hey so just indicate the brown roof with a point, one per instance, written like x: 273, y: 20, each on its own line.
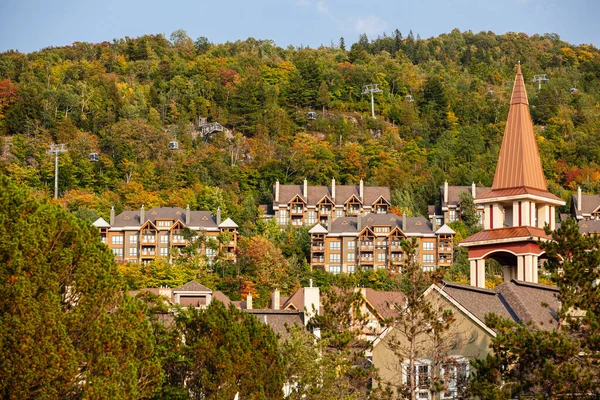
x: 519, y: 163
x: 278, y: 320
x: 385, y: 303
x: 342, y: 193
x: 414, y: 225
x: 455, y: 191
x: 589, y: 203
x: 222, y: 297
x: 531, y: 302
x: 518, y: 191
x: 519, y: 301
x: 192, y: 286
x: 589, y: 226
x: 507, y: 233
x: 204, y: 219
x: 477, y: 301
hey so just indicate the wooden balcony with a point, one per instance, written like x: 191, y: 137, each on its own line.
x: 366, y: 259
x: 297, y: 211
x: 366, y: 246
x: 318, y: 260
x: 318, y: 247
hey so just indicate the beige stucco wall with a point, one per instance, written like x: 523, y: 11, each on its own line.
x: 470, y: 339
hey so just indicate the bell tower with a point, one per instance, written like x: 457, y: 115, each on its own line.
x: 519, y: 204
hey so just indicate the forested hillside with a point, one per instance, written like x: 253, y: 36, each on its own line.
x: 127, y: 99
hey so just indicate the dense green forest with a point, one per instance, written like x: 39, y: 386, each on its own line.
x: 127, y: 99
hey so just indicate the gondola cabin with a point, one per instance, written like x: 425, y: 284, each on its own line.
x: 312, y: 115
x: 93, y: 157
x: 173, y: 145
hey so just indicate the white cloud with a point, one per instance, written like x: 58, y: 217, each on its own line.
x: 303, y: 3
x: 371, y: 25
x: 322, y: 8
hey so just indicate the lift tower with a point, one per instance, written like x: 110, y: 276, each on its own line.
x: 373, y: 88
x: 56, y: 149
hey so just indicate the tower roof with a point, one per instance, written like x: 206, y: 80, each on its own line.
x: 519, y: 163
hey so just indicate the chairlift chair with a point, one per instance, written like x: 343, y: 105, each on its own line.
x: 312, y: 115
x: 173, y: 145
x: 410, y: 97
x: 572, y: 90
x: 93, y: 157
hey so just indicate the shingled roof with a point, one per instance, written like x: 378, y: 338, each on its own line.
x: 192, y: 286
x: 513, y: 232
x: 414, y: 225
x: 589, y: 204
x: 455, y: 191
x: 203, y: 219
x: 342, y: 193
x: 522, y: 302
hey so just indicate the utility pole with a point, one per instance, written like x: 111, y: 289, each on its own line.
x: 539, y: 79
x: 56, y: 149
x: 373, y: 88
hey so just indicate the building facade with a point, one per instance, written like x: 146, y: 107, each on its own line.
x: 145, y: 235
x: 306, y: 205
x: 374, y: 241
x: 448, y: 210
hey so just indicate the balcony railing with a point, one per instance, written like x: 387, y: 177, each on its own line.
x: 148, y: 240
x: 297, y: 211
x: 318, y: 247
x: 366, y: 259
x: 148, y: 253
x: 366, y: 246
x: 318, y: 260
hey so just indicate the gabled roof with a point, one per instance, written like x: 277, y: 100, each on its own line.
x: 342, y: 193
x: 445, y: 230
x: 202, y: 219
x: 518, y: 301
x: 385, y: 303
x: 414, y: 225
x: 318, y: 228
x: 589, y: 203
x: 519, y: 163
x: 192, y: 286
x: 101, y: 223
x: 589, y: 226
x: 454, y: 195
x: 228, y: 223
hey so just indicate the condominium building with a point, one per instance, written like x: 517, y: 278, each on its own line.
x: 448, y: 209
x: 301, y: 205
x: 144, y: 235
x: 374, y: 241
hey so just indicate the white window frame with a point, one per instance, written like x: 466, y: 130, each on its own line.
x: 312, y: 217
x: 133, y: 252
x: 428, y: 258
x: 420, y: 390
x: 451, y: 390
x: 335, y: 268
x: 164, y: 252
x: 351, y: 268
x: 117, y: 239
x: 335, y: 258
x: 351, y: 257
x: 380, y: 257
x: 118, y: 252
x: 335, y: 245
x: 133, y: 239
x: 351, y: 245
x: 428, y: 246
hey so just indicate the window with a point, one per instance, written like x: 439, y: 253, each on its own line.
x: 283, y: 217
x: 117, y: 239
x: 351, y: 268
x: 422, y: 374
x: 452, y: 215
x: 164, y: 239
x: 439, y: 222
x: 339, y: 213
x: 351, y: 245
x: 148, y: 239
x: 133, y: 239
x: 164, y: 223
x: 351, y: 257
x: 210, y: 252
x: 312, y: 218
x: 455, y: 373
x: 428, y: 246
x: 334, y: 258
x: 427, y: 258
x: 177, y: 238
x: 133, y: 252
x: 118, y: 252
x: 381, y: 257
x: 335, y: 269
x: 164, y: 252
x: 382, y: 229
x: 335, y: 245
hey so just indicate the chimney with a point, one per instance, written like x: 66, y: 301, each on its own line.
x: 142, y: 215
x: 473, y: 190
x: 112, y: 215
x: 249, y: 302
x: 328, y: 224
x: 276, y: 300
x: 312, y: 305
x: 434, y: 223
x: 361, y: 191
x: 187, y: 215
x: 218, y: 216
x: 446, y: 192
x: 277, y: 191
x: 359, y: 223
x: 579, y: 198
x: 333, y: 190
x: 404, y: 222
x: 305, y: 191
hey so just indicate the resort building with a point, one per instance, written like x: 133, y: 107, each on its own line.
x: 142, y: 236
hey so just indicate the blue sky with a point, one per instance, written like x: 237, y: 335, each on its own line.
x: 29, y: 25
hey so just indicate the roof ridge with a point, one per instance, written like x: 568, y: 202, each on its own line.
x: 467, y: 287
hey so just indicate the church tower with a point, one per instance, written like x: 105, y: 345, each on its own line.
x: 519, y: 204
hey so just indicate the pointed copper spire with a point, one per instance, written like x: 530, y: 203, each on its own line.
x: 519, y: 163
